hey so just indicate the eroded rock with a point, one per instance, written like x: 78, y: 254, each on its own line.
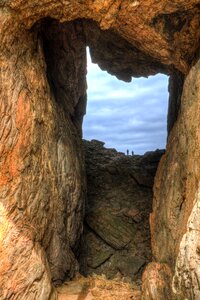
x: 98, y: 251
x: 43, y: 96
x: 112, y: 229
x: 157, y: 282
x: 119, y: 199
x: 175, y: 216
x: 41, y: 183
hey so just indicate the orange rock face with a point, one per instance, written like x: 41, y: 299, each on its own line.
x: 43, y: 98
x: 175, y: 219
x: 42, y: 182
x: 156, y: 282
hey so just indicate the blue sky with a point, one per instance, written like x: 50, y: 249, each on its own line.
x: 126, y: 115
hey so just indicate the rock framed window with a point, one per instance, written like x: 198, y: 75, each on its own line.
x: 126, y: 115
x: 43, y: 95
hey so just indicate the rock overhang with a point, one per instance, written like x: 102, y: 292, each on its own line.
x: 157, y: 36
x: 127, y: 38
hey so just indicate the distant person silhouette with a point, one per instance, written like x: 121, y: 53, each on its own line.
x: 127, y: 151
x: 132, y: 153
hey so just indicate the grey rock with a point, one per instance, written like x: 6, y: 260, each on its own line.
x: 97, y: 251
x: 119, y: 200
x: 112, y: 229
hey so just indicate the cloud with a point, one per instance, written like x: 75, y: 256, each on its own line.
x: 126, y: 115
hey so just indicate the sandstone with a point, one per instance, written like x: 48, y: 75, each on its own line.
x: 42, y: 168
x: 97, y: 287
x: 156, y: 282
x: 176, y: 195
x: 41, y: 183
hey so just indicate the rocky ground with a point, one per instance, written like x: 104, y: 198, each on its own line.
x: 116, y: 239
x: 98, y: 288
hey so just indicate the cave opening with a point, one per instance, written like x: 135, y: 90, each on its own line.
x: 127, y: 116
x: 43, y: 175
x: 116, y: 239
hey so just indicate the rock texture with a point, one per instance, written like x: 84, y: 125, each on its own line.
x: 43, y: 97
x: 41, y: 183
x: 157, y: 280
x: 118, y: 56
x: 119, y: 200
x: 175, y: 218
x: 167, y: 31
x: 175, y: 89
x: 97, y: 287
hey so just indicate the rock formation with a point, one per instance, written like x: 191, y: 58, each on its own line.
x: 43, y: 98
x: 175, y: 217
x: 42, y: 183
x: 117, y: 240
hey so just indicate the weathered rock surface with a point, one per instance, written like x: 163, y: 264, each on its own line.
x: 97, y: 287
x: 167, y: 31
x: 43, y: 98
x: 41, y: 183
x: 176, y: 215
x: 119, y: 201
x: 157, y: 282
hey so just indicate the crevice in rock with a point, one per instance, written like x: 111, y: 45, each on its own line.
x: 42, y: 176
x: 103, y: 262
x: 117, y: 211
x: 65, y: 56
x: 175, y: 88
x: 97, y: 235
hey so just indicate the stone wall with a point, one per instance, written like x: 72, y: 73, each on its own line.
x: 116, y: 239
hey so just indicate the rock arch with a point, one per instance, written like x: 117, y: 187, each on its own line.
x: 43, y: 94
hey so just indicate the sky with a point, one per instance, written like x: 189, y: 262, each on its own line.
x: 126, y: 115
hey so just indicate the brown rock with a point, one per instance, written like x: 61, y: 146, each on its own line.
x: 117, y: 212
x: 43, y: 97
x: 156, y: 281
x: 112, y: 229
x: 175, y: 217
x: 97, y: 253
x: 155, y: 28
x: 128, y: 266
x: 41, y: 183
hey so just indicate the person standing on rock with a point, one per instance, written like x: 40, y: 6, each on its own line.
x: 132, y: 153
x: 127, y: 151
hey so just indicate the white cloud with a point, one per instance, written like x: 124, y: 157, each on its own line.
x: 126, y: 115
